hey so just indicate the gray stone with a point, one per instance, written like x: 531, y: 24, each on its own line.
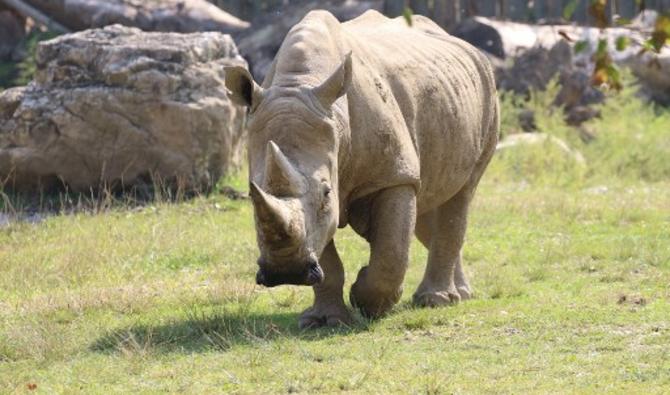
x: 481, y: 35
x: 117, y: 106
x: 529, y: 139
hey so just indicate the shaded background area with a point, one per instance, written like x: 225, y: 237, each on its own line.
x: 449, y: 12
x: 260, y: 25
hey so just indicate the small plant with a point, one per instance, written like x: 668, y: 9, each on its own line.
x: 605, y: 71
x: 21, y: 73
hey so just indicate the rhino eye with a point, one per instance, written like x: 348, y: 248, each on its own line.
x: 326, y: 191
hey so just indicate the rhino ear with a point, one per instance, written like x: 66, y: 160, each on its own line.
x: 336, y: 85
x: 243, y: 90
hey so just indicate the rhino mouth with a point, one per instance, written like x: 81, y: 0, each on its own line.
x: 310, y: 274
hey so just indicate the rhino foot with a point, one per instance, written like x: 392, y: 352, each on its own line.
x: 464, y: 291
x: 319, y: 316
x: 373, y: 302
x: 437, y: 298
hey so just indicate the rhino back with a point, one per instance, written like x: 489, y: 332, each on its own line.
x: 422, y: 107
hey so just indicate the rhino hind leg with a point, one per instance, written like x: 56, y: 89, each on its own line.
x: 442, y: 232
x: 329, y: 308
x: 379, y: 285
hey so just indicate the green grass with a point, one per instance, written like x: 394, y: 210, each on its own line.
x: 162, y: 299
x: 571, y: 270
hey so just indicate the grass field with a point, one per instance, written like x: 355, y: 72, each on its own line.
x: 570, y: 265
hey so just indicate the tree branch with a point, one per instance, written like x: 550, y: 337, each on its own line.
x: 29, y: 11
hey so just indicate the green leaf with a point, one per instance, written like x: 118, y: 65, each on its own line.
x: 569, y: 10
x: 602, y: 46
x: 580, y: 46
x: 621, y: 21
x: 614, y: 77
x: 648, y: 45
x: 663, y: 24
x: 407, y: 14
x: 657, y: 40
x: 622, y: 43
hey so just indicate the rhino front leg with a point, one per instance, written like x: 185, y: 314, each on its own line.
x: 379, y: 285
x: 329, y: 308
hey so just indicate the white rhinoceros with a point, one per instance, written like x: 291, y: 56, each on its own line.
x: 376, y: 124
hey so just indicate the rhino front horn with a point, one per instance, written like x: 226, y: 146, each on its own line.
x: 281, y: 178
x: 274, y: 218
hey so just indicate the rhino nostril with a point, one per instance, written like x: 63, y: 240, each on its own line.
x: 314, y: 274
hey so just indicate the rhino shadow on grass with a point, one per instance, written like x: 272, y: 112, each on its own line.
x: 219, y: 330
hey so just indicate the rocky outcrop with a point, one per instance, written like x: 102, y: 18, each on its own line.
x: 531, y: 139
x: 531, y: 47
x: 185, y: 16
x: 481, y: 35
x: 118, y: 107
x: 534, y: 68
x: 653, y: 71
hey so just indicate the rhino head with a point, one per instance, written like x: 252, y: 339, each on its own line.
x: 293, y: 171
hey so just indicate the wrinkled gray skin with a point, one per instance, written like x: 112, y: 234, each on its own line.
x: 374, y: 124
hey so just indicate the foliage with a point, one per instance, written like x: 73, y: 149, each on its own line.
x: 631, y: 141
x: 18, y: 74
x: 605, y: 71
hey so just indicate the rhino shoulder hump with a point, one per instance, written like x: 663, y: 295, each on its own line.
x: 320, y: 16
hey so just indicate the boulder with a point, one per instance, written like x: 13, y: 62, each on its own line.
x: 534, y: 68
x: 481, y: 35
x: 120, y: 107
x: 653, y: 72
x: 531, y: 139
x: 185, y: 16
x: 529, y: 43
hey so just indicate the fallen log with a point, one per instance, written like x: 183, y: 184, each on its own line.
x: 31, y: 12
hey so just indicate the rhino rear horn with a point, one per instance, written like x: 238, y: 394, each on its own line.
x: 281, y: 177
x: 273, y: 216
x: 336, y: 85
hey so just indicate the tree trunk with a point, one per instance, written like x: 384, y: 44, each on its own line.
x: 419, y: 7
x: 393, y: 8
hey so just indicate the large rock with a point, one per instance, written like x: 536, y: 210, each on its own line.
x: 525, y: 42
x: 534, y: 68
x: 653, y: 71
x: 185, y: 16
x: 531, y: 139
x: 481, y: 35
x: 117, y: 106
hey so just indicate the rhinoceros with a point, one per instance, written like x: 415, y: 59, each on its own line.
x: 378, y: 124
